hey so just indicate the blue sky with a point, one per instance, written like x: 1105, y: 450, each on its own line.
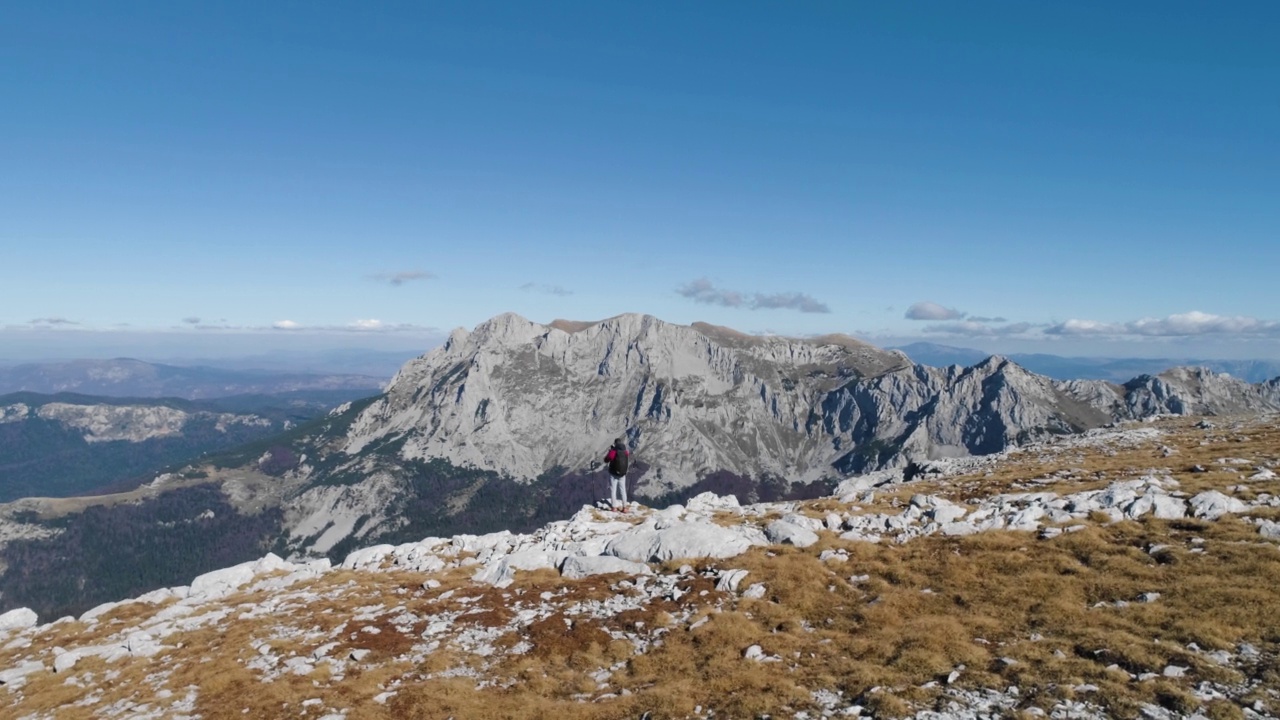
x: 1077, y: 178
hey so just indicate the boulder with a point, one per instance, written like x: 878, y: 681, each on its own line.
x: 500, y: 570
x: 18, y: 619
x: 221, y: 583
x: 782, y: 532
x: 957, y: 529
x: 944, y: 513
x: 64, y: 661
x: 730, y: 579
x: 370, y: 557
x: 1212, y: 505
x: 1269, y: 529
x: 645, y: 543
x: 1168, y: 507
x: 580, y: 566
x: 708, y: 503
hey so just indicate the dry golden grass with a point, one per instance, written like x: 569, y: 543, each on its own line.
x: 1048, y: 616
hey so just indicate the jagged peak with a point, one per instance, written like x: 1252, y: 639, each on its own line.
x: 1197, y: 371
x: 993, y: 363
x: 719, y: 334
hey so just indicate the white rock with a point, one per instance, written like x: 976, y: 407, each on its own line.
x: 95, y: 612
x: 221, y: 583
x: 157, y: 597
x: 957, y: 529
x: 756, y: 653
x: 18, y: 619
x: 65, y: 661
x: 299, y: 666
x: 947, y: 513
x: 1212, y: 505
x: 1269, y: 529
x: 755, y: 591
x: 141, y: 644
x: 708, y: 503
x: 1028, y: 519
x: 1169, y: 508
x: 367, y: 557
x: 853, y: 486
x: 681, y: 540
x: 1221, y: 657
x: 782, y: 532
x: 500, y: 571
x: 17, y: 675
x: 1175, y: 671
x: 729, y: 580
x: 578, y: 566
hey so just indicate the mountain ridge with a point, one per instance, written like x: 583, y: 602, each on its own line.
x: 503, y: 427
x: 1113, y: 369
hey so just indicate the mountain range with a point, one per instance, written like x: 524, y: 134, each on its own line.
x: 504, y: 427
x: 68, y: 444
x: 1059, y: 367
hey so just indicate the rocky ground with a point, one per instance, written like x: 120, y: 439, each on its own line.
x: 1129, y: 572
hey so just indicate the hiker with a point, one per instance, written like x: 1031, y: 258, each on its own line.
x: 617, y: 459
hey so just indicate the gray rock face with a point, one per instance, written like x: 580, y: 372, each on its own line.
x: 523, y: 399
x: 1197, y: 391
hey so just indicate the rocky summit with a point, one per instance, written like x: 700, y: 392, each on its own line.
x: 502, y: 423
x: 504, y: 427
x: 1126, y: 572
x: 524, y: 399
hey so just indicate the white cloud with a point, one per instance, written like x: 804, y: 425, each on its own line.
x: 932, y: 311
x: 191, y: 320
x: 974, y: 328
x: 1085, y: 327
x: 286, y: 325
x: 1180, y: 325
x: 704, y: 291
x: 53, y: 321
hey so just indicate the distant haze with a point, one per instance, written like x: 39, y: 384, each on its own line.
x: 295, y: 352
x: 382, y: 354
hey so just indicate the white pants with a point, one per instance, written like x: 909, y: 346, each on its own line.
x: 619, y: 488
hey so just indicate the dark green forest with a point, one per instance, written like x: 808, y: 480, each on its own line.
x: 44, y: 458
x: 111, y: 553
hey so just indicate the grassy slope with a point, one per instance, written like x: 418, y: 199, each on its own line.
x: 1012, y: 609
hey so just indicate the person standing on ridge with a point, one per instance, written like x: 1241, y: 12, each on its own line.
x: 618, y: 458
